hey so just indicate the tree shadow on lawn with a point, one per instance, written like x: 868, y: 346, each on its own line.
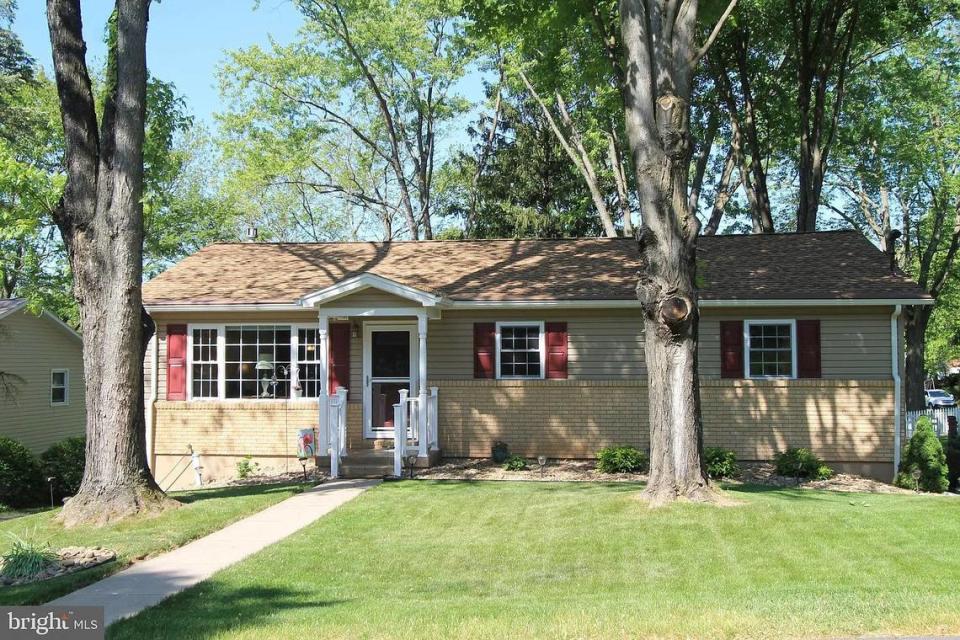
x: 533, y: 486
x: 790, y: 493
x: 199, y: 495
x: 211, y: 610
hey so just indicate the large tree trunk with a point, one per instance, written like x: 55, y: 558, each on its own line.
x: 659, y: 48
x: 101, y: 219
x: 916, y: 319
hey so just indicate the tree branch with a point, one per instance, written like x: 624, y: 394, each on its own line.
x: 713, y: 34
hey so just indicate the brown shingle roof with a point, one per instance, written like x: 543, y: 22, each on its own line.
x: 784, y: 266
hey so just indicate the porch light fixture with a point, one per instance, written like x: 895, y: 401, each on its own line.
x: 265, y: 365
x: 354, y: 330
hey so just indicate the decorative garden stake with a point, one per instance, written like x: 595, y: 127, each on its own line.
x: 50, y: 482
x: 411, y: 462
x: 915, y: 474
x: 542, y: 461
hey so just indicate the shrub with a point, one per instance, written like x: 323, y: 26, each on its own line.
x: 801, y: 463
x: 515, y: 463
x: 246, y: 467
x: 64, y: 463
x: 622, y: 459
x: 924, y: 453
x: 500, y: 451
x: 21, y: 480
x: 26, y: 559
x: 721, y: 463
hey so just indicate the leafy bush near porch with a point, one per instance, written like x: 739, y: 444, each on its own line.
x: 801, y: 463
x: 622, y: 459
x: 64, y: 462
x: 246, y: 467
x: 515, y: 463
x: 21, y: 480
x: 924, y: 453
x: 721, y: 463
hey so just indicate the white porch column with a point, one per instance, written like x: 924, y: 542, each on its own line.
x: 422, y: 385
x: 323, y: 400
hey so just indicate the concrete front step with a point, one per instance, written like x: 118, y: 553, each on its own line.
x: 373, y: 463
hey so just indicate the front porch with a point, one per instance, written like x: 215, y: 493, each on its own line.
x: 384, y: 324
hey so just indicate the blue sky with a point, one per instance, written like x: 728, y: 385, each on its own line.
x: 187, y: 39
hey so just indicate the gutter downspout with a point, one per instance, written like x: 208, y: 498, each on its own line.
x: 154, y: 390
x: 895, y: 361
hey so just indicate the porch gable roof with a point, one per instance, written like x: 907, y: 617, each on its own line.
x: 369, y: 281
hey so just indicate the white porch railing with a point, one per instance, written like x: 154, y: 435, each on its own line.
x: 938, y: 415
x: 411, y: 434
x: 337, y: 429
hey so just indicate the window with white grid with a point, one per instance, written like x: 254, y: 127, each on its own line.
x: 205, y: 370
x: 308, y: 359
x: 520, y: 350
x: 770, y: 348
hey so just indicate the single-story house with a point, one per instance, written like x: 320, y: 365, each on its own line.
x: 41, y: 377
x: 537, y: 343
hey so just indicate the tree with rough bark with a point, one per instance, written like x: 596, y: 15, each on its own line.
x: 661, y: 53
x: 100, y: 217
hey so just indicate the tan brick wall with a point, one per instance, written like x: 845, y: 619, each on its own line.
x: 846, y: 422
x: 841, y: 420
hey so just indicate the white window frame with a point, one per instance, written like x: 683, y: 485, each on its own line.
x: 220, y: 360
x: 220, y: 353
x: 66, y: 387
x: 793, y: 347
x: 295, y: 355
x: 543, y: 348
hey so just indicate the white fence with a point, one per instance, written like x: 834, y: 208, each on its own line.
x: 939, y: 416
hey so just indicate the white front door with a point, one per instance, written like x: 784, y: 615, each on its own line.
x: 389, y: 365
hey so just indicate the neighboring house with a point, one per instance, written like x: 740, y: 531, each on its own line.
x: 538, y: 343
x: 41, y: 360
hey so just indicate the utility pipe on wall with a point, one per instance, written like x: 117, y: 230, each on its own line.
x: 895, y: 361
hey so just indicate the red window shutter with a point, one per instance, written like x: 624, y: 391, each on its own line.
x: 808, y: 349
x: 556, y: 350
x: 731, y: 348
x: 484, y: 349
x: 176, y: 362
x: 339, y: 360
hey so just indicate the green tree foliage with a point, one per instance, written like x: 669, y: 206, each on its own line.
x: 346, y: 124
x: 182, y: 207
x: 527, y: 186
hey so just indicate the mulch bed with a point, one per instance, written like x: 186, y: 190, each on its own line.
x: 585, y: 471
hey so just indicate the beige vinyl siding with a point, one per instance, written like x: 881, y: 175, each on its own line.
x: 31, y: 347
x: 602, y: 344
x: 854, y: 344
x: 374, y: 298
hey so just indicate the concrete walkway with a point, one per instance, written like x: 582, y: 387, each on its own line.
x: 143, y: 585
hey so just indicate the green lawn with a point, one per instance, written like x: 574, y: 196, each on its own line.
x: 551, y: 560
x: 204, y: 511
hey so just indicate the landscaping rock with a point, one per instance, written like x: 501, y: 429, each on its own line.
x: 69, y: 560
